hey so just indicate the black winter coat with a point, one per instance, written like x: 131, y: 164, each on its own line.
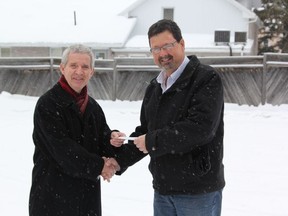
x: 184, y: 132
x: 68, y: 156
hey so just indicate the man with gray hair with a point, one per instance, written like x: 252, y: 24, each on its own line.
x: 72, y: 143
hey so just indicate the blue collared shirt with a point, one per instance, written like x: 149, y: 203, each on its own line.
x: 173, y: 77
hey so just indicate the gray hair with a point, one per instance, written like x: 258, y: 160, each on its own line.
x: 77, y: 48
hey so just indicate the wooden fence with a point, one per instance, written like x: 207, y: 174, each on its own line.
x: 251, y: 80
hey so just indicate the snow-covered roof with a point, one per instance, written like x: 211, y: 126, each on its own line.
x: 193, y: 43
x: 191, y: 40
x: 245, y: 11
x: 97, y: 23
x: 52, y: 22
x: 131, y: 7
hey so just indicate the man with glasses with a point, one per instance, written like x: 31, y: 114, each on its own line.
x: 181, y: 129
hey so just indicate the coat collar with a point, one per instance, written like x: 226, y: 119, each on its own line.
x: 64, y: 99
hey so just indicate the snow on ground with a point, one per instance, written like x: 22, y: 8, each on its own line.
x: 256, y: 158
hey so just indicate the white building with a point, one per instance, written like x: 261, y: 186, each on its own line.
x: 200, y: 22
x: 45, y: 30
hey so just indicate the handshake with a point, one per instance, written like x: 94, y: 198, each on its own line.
x: 110, y: 168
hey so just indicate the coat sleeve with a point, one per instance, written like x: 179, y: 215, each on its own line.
x: 128, y: 154
x: 51, y: 135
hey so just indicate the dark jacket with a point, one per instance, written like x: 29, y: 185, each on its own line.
x: 184, y: 132
x: 68, y: 156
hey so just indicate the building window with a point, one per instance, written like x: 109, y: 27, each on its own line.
x: 99, y: 55
x: 5, y: 52
x: 168, y: 13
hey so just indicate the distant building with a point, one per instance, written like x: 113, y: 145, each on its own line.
x: 218, y: 27
x: 209, y: 28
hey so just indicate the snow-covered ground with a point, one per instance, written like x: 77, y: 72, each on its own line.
x: 256, y: 159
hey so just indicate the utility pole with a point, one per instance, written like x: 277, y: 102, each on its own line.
x: 75, y: 23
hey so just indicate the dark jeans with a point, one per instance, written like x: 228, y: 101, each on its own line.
x: 208, y: 204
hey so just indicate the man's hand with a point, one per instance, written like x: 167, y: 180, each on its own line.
x: 112, y: 162
x: 140, y: 143
x: 109, y: 169
x: 115, y: 141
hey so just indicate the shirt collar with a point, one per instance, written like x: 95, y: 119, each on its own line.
x: 173, y: 77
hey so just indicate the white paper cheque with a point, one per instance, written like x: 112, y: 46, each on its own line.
x: 128, y: 138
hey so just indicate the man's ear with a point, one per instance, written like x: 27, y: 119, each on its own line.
x: 182, y: 42
x: 92, y: 72
x: 61, y: 68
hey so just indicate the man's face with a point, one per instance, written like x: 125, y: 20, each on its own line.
x: 77, y: 71
x: 171, y: 54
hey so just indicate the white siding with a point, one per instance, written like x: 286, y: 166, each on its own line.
x: 193, y: 16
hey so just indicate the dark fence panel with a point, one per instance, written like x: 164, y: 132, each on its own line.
x: 277, y: 86
x: 242, y: 85
x: 251, y: 80
x: 132, y: 85
x: 33, y: 82
x: 101, y: 85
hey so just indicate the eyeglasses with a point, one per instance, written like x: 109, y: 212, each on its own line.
x: 168, y: 46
